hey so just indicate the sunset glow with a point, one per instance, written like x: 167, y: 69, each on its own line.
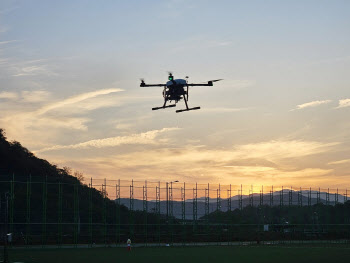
x: 69, y: 89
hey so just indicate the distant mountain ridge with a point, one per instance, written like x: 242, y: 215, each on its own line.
x: 246, y: 201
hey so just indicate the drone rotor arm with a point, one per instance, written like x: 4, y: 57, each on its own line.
x: 151, y: 85
x: 201, y: 84
x: 210, y: 83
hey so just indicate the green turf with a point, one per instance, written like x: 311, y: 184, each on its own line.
x: 221, y: 254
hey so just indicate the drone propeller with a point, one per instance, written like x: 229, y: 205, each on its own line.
x: 214, y: 80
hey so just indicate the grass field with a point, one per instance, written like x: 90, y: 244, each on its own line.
x: 285, y: 254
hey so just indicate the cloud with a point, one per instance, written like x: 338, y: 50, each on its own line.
x: 7, y: 42
x: 37, y: 126
x: 26, y: 96
x: 262, y: 163
x: 312, y: 104
x: 33, y: 71
x: 8, y: 95
x: 75, y: 99
x: 283, y: 149
x: 141, y: 138
x: 35, y: 96
x: 344, y: 103
x: 339, y: 162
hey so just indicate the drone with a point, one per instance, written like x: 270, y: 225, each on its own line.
x: 176, y: 90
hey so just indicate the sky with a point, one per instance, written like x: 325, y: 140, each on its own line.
x: 70, y: 74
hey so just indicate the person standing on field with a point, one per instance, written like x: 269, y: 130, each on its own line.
x: 129, y: 244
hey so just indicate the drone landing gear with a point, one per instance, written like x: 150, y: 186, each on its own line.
x: 169, y: 106
x: 187, y: 108
x: 195, y: 108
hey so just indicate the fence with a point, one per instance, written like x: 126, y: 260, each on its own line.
x: 58, y: 211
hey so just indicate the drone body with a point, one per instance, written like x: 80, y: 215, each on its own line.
x: 175, y: 90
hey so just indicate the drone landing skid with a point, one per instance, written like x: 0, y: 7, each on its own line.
x: 169, y: 106
x: 188, y: 109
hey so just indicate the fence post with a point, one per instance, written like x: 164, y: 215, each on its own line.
x: 158, y: 210
x: 229, y: 205
x: 281, y: 197
x: 218, y: 199
x: 240, y: 202
x: 171, y: 212
x: 207, y: 196
x: 291, y: 196
x: 117, y: 216
x: 336, y: 197
x: 29, y: 185
x: 346, y: 195
x: 183, y: 199
x: 271, y: 196
x: 43, y: 239
x: 76, y: 213
x: 12, y: 197
x: 195, y: 210
x: 251, y: 200
x: 59, y: 213
x: 145, y: 210
x: 131, y: 212
x: 104, y: 208
x: 90, y: 212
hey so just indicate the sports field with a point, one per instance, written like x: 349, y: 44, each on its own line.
x: 211, y: 254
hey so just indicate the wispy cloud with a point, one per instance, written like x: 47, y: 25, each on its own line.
x: 141, y: 138
x: 7, y: 42
x: 42, y: 124
x: 282, y: 149
x: 75, y: 99
x: 344, y: 103
x: 26, y: 96
x: 339, y: 162
x: 35, y: 96
x: 8, y: 95
x: 33, y: 71
x: 312, y: 104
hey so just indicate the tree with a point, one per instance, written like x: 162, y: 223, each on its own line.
x: 79, y: 176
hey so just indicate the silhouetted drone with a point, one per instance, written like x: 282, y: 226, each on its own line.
x: 174, y: 90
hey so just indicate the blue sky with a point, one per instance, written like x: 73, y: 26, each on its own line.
x: 69, y: 78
